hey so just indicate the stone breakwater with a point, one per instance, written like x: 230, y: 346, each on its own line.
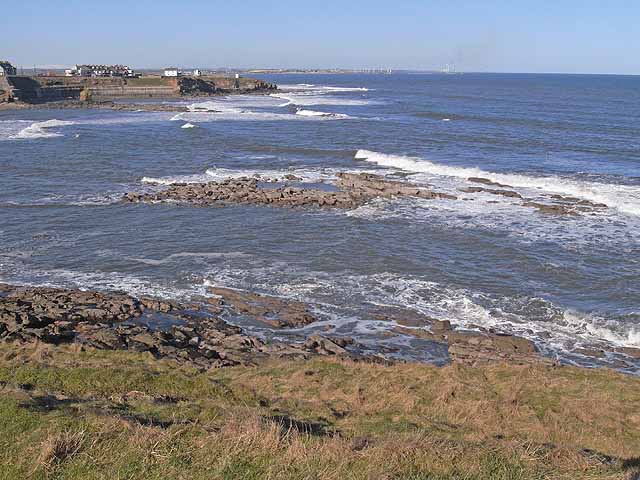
x: 195, y: 333
x: 351, y: 190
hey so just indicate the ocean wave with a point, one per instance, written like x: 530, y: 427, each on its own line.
x: 171, y: 180
x: 306, y: 100
x: 106, y: 281
x: 307, y: 87
x: 313, y: 113
x: 350, y: 301
x: 218, y: 174
x: 188, y: 125
x: 181, y: 255
x: 67, y: 201
x: 306, y: 175
x: 41, y: 130
x: 625, y: 199
x: 238, y: 109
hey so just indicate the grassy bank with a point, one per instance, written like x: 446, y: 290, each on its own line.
x: 120, y: 415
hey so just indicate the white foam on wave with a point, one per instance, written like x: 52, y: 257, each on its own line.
x: 191, y: 255
x: 171, y: 180
x: 340, y: 297
x: 344, y: 89
x: 307, y: 175
x: 188, y: 125
x: 106, y: 281
x: 625, y: 199
x: 249, y: 109
x: 41, y: 130
x: 313, y: 113
x: 307, y: 99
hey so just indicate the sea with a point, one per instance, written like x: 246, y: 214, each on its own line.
x: 571, y: 284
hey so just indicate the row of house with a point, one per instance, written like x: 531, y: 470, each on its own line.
x: 7, y: 69
x: 100, y: 71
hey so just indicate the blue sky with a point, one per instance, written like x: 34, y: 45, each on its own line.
x: 574, y: 36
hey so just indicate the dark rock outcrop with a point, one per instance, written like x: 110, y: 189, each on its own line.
x: 116, y: 321
x: 486, y: 181
x: 504, y: 193
x: 355, y: 190
x: 272, y: 311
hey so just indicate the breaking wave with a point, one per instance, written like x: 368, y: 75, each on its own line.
x: 188, y: 125
x: 350, y: 302
x: 306, y: 175
x: 41, y: 130
x: 313, y: 113
x: 326, y: 88
x: 310, y: 99
x: 625, y: 199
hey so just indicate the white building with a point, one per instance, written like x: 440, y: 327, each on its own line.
x: 197, y: 73
x: 171, y: 72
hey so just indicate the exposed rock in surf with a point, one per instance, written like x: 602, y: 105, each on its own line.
x: 273, y: 311
x: 117, y: 321
x: 551, y: 209
x: 483, y: 347
x: 561, y: 204
x: 327, y: 346
x: 473, y: 347
x: 246, y: 191
x: 354, y: 191
x: 370, y: 186
x: 486, y: 181
x: 630, y: 351
x: 591, y: 352
x: 504, y: 193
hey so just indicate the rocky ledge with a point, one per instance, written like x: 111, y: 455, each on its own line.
x: 197, y: 334
x: 352, y: 190
x: 552, y: 204
x: 347, y: 191
x: 186, y: 333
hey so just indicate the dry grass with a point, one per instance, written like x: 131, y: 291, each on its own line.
x: 124, y: 415
x: 60, y: 446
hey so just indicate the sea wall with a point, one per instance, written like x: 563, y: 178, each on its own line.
x: 49, y: 89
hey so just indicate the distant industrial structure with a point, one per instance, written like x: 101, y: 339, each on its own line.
x: 172, y: 72
x: 100, y: 71
x: 7, y: 69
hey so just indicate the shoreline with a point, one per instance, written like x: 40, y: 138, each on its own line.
x: 112, y: 104
x: 80, y: 370
x: 198, y: 333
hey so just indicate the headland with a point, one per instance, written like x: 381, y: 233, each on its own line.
x: 22, y: 91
